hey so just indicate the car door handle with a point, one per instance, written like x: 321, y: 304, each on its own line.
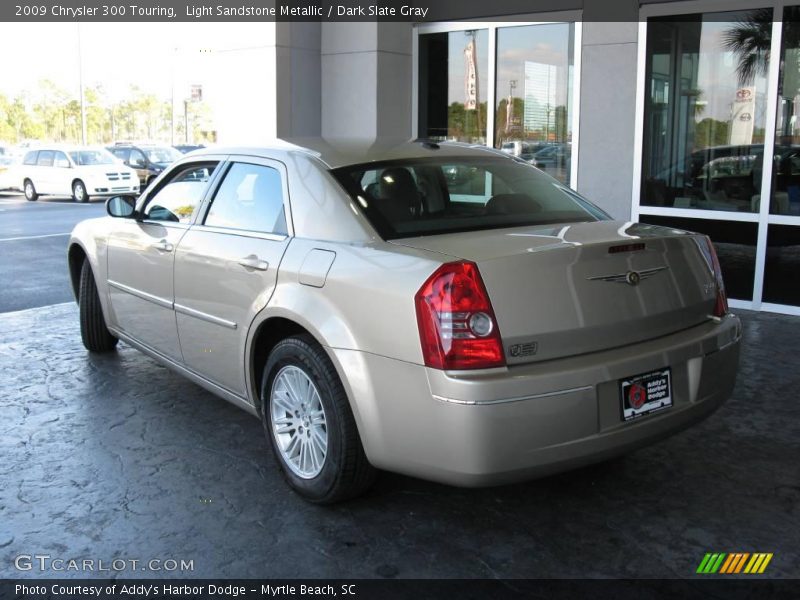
x: 163, y: 246
x: 253, y: 262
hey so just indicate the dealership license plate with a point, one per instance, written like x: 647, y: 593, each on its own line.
x: 645, y: 394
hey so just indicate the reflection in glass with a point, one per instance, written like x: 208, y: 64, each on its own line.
x: 735, y: 243
x: 453, y: 86
x: 786, y: 161
x: 705, y: 110
x: 534, y: 95
x: 782, y: 265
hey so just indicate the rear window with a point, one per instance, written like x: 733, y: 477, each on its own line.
x: 409, y: 198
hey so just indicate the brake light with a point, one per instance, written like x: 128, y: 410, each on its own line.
x: 457, y: 326
x: 721, y: 304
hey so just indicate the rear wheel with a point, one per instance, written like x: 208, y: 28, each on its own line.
x: 79, y: 192
x: 94, y: 333
x: 30, y: 191
x: 308, y: 421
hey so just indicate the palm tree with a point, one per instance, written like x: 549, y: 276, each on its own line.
x: 750, y: 39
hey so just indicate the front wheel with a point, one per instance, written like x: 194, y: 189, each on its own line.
x: 30, y: 191
x: 94, y: 333
x: 79, y: 192
x: 309, y: 424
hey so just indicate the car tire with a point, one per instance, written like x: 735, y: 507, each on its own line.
x: 30, y: 191
x: 344, y: 471
x: 79, y: 193
x: 94, y: 333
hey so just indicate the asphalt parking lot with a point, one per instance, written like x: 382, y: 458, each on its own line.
x: 33, y: 240
x: 115, y: 457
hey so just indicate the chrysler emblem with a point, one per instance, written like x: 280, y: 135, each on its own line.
x: 631, y: 277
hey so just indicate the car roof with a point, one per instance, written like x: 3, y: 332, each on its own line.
x: 342, y: 152
x: 64, y: 147
x: 132, y: 145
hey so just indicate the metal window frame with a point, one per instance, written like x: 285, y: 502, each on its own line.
x: 573, y: 17
x: 763, y: 218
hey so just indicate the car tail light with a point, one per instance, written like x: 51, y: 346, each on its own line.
x: 721, y: 304
x: 457, y: 326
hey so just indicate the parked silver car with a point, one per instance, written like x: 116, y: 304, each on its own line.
x: 377, y: 313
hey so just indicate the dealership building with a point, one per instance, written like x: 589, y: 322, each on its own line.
x: 663, y: 117
x: 661, y: 112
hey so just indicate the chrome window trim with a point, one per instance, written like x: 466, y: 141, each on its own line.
x: 273, y: 237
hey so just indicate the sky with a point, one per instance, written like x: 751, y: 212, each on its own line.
x: 153, y: 56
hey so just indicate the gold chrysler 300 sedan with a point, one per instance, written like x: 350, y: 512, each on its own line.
x: 438, y: 310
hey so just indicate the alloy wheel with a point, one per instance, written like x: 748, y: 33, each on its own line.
x: 298, y: 422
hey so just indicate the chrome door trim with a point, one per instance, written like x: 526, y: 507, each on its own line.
x: 185, y: 310
x: 164, y: 303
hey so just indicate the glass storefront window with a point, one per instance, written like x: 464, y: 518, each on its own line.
x: 453, y: 84
x: 735, y: 243
x: 786, y: 160
x: 705, y: 110
x: 534, y: 95
x: 782, y: 265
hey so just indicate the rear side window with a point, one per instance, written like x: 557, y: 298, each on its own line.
x: 60, y: 160
x: 120, y: 153
x: 30, y: 158
x: 250, y: 198
x: 45, y: 158
x: 426, y: 196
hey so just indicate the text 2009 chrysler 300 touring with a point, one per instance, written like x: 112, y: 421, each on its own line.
x: 443, y: 311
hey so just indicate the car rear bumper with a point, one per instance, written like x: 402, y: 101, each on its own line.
x: 504, y: 425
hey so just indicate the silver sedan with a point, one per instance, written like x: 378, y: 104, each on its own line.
x: 447, y: 312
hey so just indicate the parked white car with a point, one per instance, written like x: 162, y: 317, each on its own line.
x: 9, y: 168
x: 80, y: 172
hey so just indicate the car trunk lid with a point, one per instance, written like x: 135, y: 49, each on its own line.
x: 561, y: 290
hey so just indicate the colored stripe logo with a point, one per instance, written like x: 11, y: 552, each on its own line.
x: 734, y: 563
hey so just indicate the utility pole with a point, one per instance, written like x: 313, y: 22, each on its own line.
x: 80, y: 84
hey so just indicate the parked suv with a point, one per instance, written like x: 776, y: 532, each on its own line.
x: 78, y: 171
x: 147, y: 160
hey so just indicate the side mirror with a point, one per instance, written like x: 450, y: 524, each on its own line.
x: 122, y: 207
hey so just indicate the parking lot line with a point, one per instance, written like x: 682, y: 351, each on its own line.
x: 32, y: 237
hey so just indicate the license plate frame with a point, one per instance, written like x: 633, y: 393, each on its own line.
x: 646, y: 393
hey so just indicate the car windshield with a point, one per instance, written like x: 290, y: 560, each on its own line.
x: 92, y: 157
x: 407, y: 198
x: 162, y: 154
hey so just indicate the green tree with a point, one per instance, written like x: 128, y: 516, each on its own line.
x: 711, y: 132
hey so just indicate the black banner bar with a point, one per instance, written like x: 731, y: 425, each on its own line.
x: 416, y: 11
x: 391, y: 589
